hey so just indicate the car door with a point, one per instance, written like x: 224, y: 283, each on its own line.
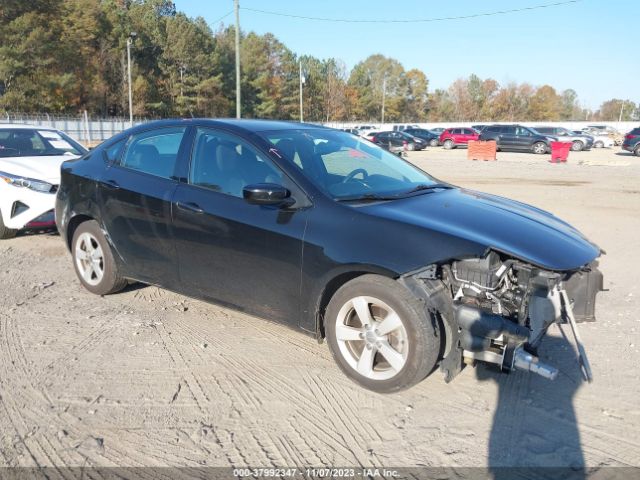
x: 523, y: 139
x: 468, y: 134
x: 507, y: 137
x: 230, y: 251
x: 135, y: 193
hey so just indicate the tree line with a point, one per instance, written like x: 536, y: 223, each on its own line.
x: 67, y: 56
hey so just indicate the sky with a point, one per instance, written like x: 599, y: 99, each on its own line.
x: 588, y: 45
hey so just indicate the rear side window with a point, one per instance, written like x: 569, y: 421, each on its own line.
x: 468, y: 131
x: 154, y: 152
x: 508, y: 130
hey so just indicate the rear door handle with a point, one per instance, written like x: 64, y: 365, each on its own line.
x: 112, y: 184
x: 189, y: 207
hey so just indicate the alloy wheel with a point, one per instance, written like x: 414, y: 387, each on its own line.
x: 372, y: 338
x: 89, y: 259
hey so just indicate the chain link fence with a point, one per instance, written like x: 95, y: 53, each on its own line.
x: 85, y: 128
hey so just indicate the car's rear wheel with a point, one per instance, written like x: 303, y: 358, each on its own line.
x: 598, y: 144
x: 636, y: 152
x: 577, y: 146
x: 6, y: 233
x: 539, y: 148
x: 93, y: 260
x: 448, y: 144
x: 434, y: 142
x: 380, y: 335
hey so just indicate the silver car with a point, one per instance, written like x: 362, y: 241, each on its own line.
x: 578, y: 141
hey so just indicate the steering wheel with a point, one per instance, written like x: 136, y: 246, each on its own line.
x: 349, y: 177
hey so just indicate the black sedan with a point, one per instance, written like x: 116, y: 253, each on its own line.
x: 432, y: 138
x: 398, y: 139
x: 328, y: 233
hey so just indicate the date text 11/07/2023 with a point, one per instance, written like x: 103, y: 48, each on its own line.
x: 321, y: 472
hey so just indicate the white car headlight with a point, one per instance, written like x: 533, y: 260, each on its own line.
x: 23, y: 182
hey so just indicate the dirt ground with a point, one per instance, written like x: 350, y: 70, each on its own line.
x: 151, y: 378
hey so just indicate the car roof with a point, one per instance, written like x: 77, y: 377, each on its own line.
x: 234, y: 124
x: 24, y: 126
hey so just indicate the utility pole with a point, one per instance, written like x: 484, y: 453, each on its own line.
x: 236, y: 5
x: 129, y: 42
x: 384, y: 93
x: 621, y: 110
x: 301, y: 82
x: 182, y: 69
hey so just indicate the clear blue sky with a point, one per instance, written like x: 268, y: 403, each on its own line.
x: 590, y: 46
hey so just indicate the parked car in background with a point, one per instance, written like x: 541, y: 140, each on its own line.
x: 478, y: 128
x: 399, y: 139
x: 401, y: 273
x: 30, y: 159
x: 632, y: 142
x: 457, y: 137
x: 518, y: 137
x: 432, y: 138
x: 578, y: 141
x: 353, y: 131
x: 599, y: 140
x: 403, y: 127
x: 610, y: 132
x: 437, y: 130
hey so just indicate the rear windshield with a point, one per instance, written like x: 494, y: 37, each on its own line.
x: 26, y: 142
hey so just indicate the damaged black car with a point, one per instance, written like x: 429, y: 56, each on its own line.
x: 402, y: 274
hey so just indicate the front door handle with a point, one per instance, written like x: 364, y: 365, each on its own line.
x: 189, y: 207
x: 111, y: 184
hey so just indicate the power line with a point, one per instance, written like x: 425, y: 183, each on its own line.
x: 222, y: 17
x: 419, y: 20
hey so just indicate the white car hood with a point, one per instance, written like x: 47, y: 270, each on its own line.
x: 45, y: 168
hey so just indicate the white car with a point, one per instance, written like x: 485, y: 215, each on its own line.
x: 30, y: 159
x: 599, y: 141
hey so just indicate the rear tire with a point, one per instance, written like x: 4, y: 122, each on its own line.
x: 636, y: 152
x: 6, y: 233
x: 448, y: 144
x: 381, y: 335
x: 577, y: 146
x: 93, y: 260
x: 433, y: 142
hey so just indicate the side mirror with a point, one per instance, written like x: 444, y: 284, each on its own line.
x: 267, y: 194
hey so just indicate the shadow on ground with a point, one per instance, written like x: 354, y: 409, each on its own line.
x: 534, y: 425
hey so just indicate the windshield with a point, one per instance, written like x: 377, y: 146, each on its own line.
x: 347, y: 167
x: 25, y: 142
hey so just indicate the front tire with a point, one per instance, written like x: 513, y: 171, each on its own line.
x: 539, y: 148
x: 6, y: 233
x: 434, y: 142
x: 93, y: 260
x: 598, y: 144
x: 577, y: 146
x: 381, y: 336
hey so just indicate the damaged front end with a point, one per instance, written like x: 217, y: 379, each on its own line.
x: 497, y: 309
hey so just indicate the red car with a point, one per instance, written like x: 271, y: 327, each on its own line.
x: 456, y: 137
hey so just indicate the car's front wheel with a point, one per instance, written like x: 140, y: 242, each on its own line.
x: 434, y: 142
x: 598, y: 144
x: 93, y: 260
x: 6, y: 233
x: 577, y: 146
x: 380, y: 335
x: 539, y: 148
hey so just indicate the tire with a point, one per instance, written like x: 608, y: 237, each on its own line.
x: 577, y: 146
x: 598, y: 144
x: 539, y: 148
x: 636, y: 152
x: 434, y: 142
x: 96, y: 268
x: 6, y: 233
x: 411, y: 147
x: 412, y: 341
x: 448, y: 144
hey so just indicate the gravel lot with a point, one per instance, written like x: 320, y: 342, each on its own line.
x: 151, y: 378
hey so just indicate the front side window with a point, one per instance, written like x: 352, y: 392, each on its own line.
x: 154, y: 152
x: 25, y: 142
x: 225, y: 163
x: 346, y: 167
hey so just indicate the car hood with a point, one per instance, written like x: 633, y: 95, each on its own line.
x: 517, y: 229
x: 45, y: 168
